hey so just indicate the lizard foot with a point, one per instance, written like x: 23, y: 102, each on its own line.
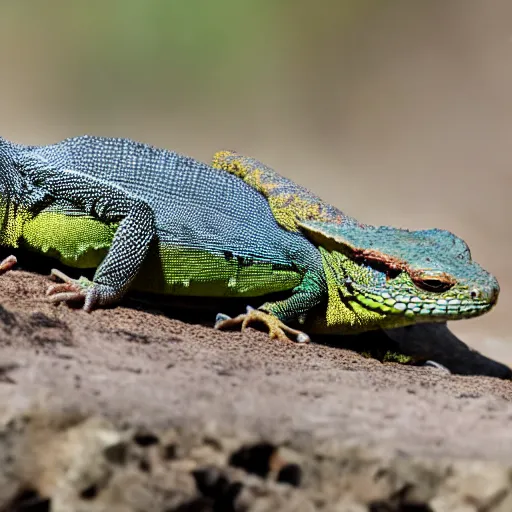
x: 72, y: 290
x: 7, y: 264
x: 276, y: 328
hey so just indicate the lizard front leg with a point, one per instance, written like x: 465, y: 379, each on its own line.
x: 274, y: 315
x: 120, y: 266
x: 109, y: 204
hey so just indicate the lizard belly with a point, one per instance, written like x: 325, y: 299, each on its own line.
x: 206, y: 249
x: 83, y: 242
x: 76, y: 241
x: 180, y: 270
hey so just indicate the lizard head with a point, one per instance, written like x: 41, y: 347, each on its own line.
x: 390, y: 277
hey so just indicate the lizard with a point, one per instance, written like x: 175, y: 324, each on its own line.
x: 156, y: 221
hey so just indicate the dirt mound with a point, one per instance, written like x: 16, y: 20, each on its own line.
x: 128, y: 409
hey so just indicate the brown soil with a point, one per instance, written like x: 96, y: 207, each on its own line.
x: 129, y: 409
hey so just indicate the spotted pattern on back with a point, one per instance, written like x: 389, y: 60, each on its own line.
x: 288, y: 201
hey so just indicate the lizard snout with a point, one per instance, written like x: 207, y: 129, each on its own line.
x: 488, y: 293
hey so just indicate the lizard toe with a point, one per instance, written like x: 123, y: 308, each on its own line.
x: 276, y: 329
x: 219, y: 319
x: 56, y: 274
x: 67, y: 297
x: 434, y: 364
x: 7, y: 263
x: 56, y: 289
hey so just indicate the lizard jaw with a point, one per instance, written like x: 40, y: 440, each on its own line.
x: 419, y: 309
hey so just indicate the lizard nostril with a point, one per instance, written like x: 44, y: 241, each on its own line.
x: 489, y: 294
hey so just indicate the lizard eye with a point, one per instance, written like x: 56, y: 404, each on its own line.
x: 433, y: 285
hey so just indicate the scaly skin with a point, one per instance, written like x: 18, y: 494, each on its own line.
x: 152, y: 220
x: 377, y: 277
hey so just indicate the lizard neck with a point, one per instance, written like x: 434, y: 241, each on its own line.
x: 343, y: 312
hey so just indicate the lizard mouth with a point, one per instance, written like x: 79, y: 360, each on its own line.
x: 424, y: 308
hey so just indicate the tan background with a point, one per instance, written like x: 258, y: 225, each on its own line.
x: 398, y: 112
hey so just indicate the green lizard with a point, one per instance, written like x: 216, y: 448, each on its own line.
x: 152, y: 220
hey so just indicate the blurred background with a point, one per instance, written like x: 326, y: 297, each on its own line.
x: 398, y: 112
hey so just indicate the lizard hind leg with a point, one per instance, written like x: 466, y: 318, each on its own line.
x: 276, y: 329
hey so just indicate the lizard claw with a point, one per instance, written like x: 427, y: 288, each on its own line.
x: 435, y: 364
x: 7, y: 263
x: 276, y: 329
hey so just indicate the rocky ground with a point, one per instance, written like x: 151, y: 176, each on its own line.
x: 128, y: 409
